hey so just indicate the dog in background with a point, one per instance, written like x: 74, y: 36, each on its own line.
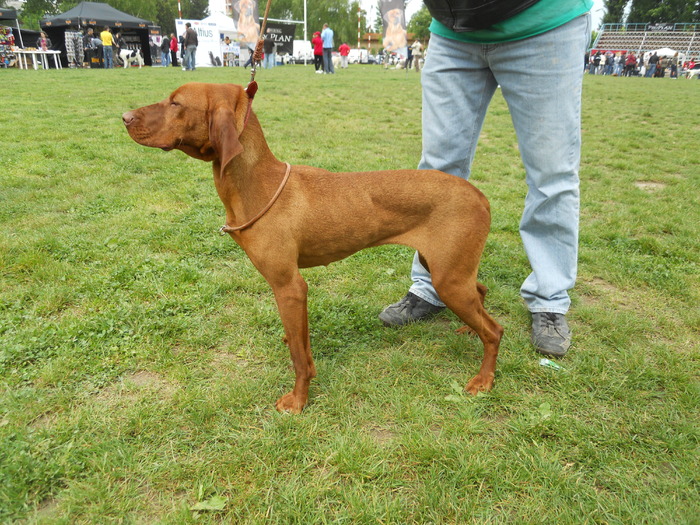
x: 131, y: 56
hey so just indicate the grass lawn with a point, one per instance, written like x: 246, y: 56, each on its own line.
x: 141, y: 353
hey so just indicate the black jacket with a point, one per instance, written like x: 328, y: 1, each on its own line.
x: 471, y: 15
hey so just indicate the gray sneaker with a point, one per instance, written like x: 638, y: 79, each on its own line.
x: 550, y: 333
x: 408, y: 310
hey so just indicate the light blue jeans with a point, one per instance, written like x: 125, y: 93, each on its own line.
x: 190, y: 57
x: 269, y: 60
x: 540, y: 78
x: 107, y: 57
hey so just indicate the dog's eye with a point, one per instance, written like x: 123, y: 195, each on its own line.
x: 173, y: 103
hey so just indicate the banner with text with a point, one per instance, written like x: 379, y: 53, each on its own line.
x: 283, y: 36
x: 209, y: 48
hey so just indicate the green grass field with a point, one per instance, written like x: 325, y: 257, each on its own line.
x: 141, y: 353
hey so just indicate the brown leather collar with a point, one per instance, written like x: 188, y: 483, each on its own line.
x: 230, y: 229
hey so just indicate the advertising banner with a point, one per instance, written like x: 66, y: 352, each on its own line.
x: 209, y: 47
x: 283, y: 35
x: 394, y: 19
x: 245, y: 15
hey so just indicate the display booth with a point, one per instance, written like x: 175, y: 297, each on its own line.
x: 7, y: 37
x: 136, y: 31
x: 209, y: 47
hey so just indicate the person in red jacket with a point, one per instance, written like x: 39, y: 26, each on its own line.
x: 344, y: 50
x: 173, y: 49
x: 317, y: 42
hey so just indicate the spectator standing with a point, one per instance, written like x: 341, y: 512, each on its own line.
x: 460, y: 76
x: 630, y: 64
x: 251, y: 55
x: 674, y: 66
x: 270, y: 58
x: 327, y: 37
x: 190, y: 43
x: 417, y: 51
x: 661, y: 67
x: 119, y: 43
x: 317, y: 42
x: 173, y: 49
x: 619, y: 63
x: 107, y: 53
x: 653, y: 61
x: 91, y: 45
x: 165, y: 51
x: 344, y: 51
x: 609, y: 63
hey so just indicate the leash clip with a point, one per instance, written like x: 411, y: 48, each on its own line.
x: 222, y: 230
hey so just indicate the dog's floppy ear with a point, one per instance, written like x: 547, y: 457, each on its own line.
x: 225, y: 126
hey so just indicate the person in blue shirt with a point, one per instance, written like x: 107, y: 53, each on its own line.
x: 327, y: 37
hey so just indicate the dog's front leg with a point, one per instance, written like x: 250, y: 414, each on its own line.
x: 291, y: 302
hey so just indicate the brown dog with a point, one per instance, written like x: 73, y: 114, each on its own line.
x: 320, y: 217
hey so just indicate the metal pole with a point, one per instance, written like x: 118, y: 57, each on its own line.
x: 305, y: 37
x: 179, y: 9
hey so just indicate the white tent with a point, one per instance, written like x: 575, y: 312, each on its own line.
x: 665, y: 52
x: 225, y: 24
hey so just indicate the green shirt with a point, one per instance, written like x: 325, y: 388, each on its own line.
x: 537, y: 19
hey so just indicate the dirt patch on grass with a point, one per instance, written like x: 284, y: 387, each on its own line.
x: 131, y: 387
x: 381, y: 435
x: 47, y: 509
x: 594, y: 290
x: 650, y: 185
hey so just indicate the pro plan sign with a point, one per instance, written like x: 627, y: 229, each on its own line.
x: 283, y: 35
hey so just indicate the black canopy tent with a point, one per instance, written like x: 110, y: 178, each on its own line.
x: 93, y: 14
x: 11, y: 14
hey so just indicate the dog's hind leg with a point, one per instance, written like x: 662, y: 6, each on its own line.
x: 465, y: 298
x: 482, y: 293
x: 291, y: 298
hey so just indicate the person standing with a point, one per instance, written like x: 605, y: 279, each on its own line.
x: 269, y: 50
x: 173, y: 49
x: 344, y: 51
x: 653, y: 61
x: 318, y: 52
x: 107, y: 42
x: 327, y: 37
x: 417, y: 52
x: 165, y: 51
x: 190, y: 43
x: 461, y: 73
x: 674, y: 66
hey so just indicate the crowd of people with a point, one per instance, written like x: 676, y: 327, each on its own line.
x: 627, y: 64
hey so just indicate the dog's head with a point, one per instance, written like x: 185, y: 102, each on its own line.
x: 202, y: 120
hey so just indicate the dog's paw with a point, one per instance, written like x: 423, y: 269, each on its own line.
x: 479, y: 383
x: 290, y: 403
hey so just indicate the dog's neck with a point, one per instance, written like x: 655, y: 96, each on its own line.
x: 251, y: 178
